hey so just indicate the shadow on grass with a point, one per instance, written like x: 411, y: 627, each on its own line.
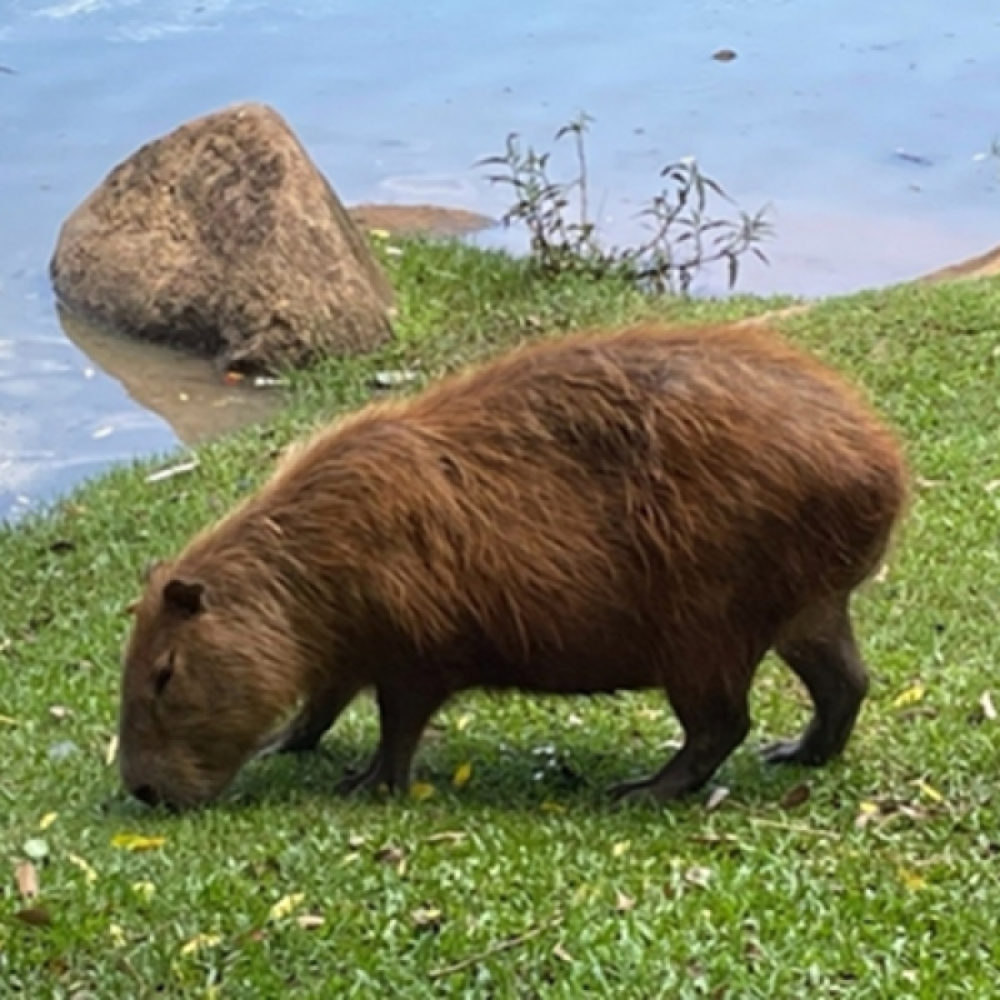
x: 515, y: 778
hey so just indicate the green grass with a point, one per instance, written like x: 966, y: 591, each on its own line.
x: 758, y: 897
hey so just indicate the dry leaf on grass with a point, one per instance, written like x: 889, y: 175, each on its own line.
x: 88, y: 872
x: 427, y: 917
x: 623, y: 902
x: 47, y: 820
x: 911, y: 696
x: 27, y: 879
x: 34, y: 916
x: 699, y: 876
x: 285, y: 905
x: 986, y: 703
x: 310, y: 921
x: 446, y: 837
x: 421, y: 790
x: 144, y: 889
x: 200, y: 941
x: 930, y: 791
x: 389, y: 855
x: 796, y: 796
x: 911, y: 880
x: 462, y: 775
x: 562, y: 954
x: 136, y: 842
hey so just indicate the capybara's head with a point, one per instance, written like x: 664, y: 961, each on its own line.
x: 195, y: 701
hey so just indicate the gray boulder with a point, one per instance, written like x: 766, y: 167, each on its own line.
x: 223, y: 238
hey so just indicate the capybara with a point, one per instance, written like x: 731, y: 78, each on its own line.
x: 646, y: 508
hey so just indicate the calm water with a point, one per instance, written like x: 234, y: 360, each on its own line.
x: 859, y: 122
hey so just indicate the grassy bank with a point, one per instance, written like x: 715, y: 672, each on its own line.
x: 875, y: 877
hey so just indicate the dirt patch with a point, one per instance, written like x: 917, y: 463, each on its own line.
x: 413, y: 220
x: 986, y: 265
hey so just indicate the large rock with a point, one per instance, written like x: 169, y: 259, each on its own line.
x: 223, y: 238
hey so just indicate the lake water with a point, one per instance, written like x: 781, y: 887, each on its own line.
x: 861, y: 123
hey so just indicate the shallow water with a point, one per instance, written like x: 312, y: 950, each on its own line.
x: 859, y: 122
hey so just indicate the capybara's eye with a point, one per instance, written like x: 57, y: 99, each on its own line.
x: 164, y: 672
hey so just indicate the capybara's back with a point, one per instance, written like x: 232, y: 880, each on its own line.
x: 649, y: 508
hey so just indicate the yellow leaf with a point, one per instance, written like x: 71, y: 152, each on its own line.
x: 552, y: 807
x: 109, y: 756
x: 285, y: 905
x: 620, y: 848
x: 136, y: 842
x: 421, y: 790
x: 867, y: 808
x: 911, y: 880
x: 117, y: 936
x: 47, y: 820
x: 462, y: 774
x: 8, y: 720
x: 88, y: 871
x: 910, y: 696
x: 462, y: 722
x: 930, y: 791
x: 379, y: 234
x: 426, y: 916
x: 144, y: 889
x: 200, y: 941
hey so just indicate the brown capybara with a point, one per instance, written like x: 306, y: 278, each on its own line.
x: 652, y: 507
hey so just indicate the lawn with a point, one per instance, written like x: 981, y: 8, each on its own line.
x: 507, y: 873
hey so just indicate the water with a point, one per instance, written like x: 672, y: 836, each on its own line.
x: 859, y: 122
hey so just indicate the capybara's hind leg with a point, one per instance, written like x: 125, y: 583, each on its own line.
x: 820, y: 647
x: 304, y: 731
x: 403, y: 715
x: 716, y: 720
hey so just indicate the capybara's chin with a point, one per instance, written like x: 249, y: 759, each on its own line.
x: 652, y: 507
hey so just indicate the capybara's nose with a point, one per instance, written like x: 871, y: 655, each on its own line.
x: 147, y: 794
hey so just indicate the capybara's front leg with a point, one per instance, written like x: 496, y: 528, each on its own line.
x: 820, y: 647
x: 403, y: 715
x: 716, y: 720
x: 303, y: 733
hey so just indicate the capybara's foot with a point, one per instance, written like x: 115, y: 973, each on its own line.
x: 354, y: 782
x: 646, y: 788
x: 371, y: 778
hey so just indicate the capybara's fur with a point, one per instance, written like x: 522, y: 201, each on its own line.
x: 652, y: 507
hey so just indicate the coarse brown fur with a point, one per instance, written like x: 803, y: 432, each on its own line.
x: 652, y: 507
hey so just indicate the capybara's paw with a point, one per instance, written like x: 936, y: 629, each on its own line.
x: 369, y: 780
x: 643, y: 789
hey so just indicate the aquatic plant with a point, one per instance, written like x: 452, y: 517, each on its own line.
x: 684, y: 237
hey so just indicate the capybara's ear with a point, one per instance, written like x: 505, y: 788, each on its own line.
x: 185, y: 597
